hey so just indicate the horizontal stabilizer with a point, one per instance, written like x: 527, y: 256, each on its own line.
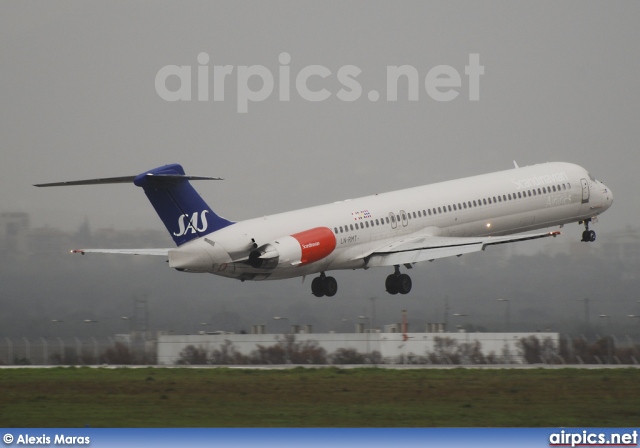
x: 125, y: 180
x: 158, y: 252
x: 184, y: 213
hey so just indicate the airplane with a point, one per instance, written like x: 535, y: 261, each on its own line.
x: 395, y: 229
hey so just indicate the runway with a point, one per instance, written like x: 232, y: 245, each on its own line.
x: 350, y: 366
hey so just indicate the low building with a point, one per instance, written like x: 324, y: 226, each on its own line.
x: 392, y: 347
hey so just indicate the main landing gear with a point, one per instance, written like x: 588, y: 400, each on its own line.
x: 588, y: 236
x: 324, y: 286
x: 398, y: 283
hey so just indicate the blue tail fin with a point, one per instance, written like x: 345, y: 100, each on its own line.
x: 183, y: 212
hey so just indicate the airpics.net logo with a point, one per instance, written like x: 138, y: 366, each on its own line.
x: 256, y: 83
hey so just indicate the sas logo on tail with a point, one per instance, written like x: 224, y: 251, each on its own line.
x: 185, y: 224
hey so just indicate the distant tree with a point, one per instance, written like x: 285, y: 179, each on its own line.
x: 308, y: 352
x: 347, y: 356
x: 471, y: 352
x: 529, y: 348
x: 119, y: 354
x: 445, y: 351
x: 192, y: 355
x: 275, y: 354
x: 534, y: 351
x: 21, y: 361
x: 288, y: 351
x: 227, y: 354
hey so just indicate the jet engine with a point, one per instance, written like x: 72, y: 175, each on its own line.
x: 293, y: 250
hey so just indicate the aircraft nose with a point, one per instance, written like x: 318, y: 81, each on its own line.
x: 608, y: 194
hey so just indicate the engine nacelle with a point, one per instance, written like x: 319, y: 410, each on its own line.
x: 198, y: 256
x: 295, y: 250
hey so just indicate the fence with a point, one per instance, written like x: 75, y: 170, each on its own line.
x: 77, y: 351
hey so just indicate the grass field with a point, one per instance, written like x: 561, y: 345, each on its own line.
x: 331, y: 397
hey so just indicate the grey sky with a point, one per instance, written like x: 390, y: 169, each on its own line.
x: 78, y: 100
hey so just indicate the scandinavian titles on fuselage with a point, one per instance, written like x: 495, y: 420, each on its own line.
x: 558, y: 199
x: 540, y: 180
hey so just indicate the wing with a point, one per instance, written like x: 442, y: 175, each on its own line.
x: 161, y: 252
x: 422, y: 248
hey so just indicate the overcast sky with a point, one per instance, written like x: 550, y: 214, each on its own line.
x: 78, y: 100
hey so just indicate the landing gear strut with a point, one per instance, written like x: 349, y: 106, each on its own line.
x: 324, y: 286
x: 588, y: 236
x: 398, y: 283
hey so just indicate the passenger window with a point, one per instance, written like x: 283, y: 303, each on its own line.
x: 464, y: 204
x: 429, y: 212
x: 387, y: 220
x: 414, y: 214
x: 340, y: 229
x: 484, y: 201
x: 367, y: 223
x: 335, y: 230
x: 454, y: 207
x: 449, y: 208
x: 474, y: 203
x: 351, y: 227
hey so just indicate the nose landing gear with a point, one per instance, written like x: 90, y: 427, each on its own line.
x: 588, y: 236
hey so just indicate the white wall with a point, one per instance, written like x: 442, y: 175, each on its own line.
x: 390, y: 345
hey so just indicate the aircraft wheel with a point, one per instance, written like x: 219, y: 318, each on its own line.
x: 391, y: 284
x: 592, y: 236
x: 330, y: 286
x: 317, y: 287
x: 403, y: 283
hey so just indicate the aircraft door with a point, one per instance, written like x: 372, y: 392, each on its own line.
x: 405, y: 220
x: 585, y: 190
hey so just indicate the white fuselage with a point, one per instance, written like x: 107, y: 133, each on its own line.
x: 500, y: 203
